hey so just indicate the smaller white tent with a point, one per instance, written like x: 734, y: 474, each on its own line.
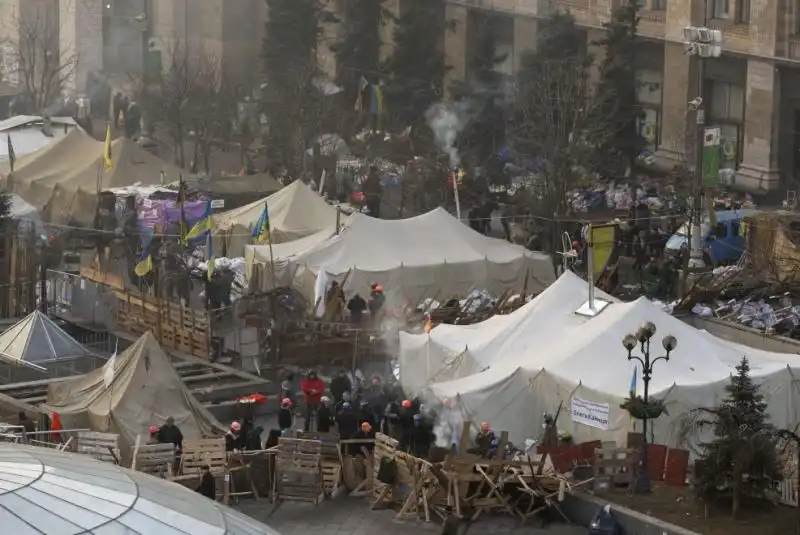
x: 556, y: 355
x: 295, y: 212
x: 36, y: 341
x: 427, y: 255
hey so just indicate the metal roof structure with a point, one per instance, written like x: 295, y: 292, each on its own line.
x: 36, y: 340
x: 48, y: 492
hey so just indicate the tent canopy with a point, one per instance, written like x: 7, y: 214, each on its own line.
x: 554, y: 355
x: 65, y: 175
x: 430, y: 254
x: 295, y: 212
x: 144, y: 390
x: 36, y: 340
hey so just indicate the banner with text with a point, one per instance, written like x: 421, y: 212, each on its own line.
x: 590, y: 413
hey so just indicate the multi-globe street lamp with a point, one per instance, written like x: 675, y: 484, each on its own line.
x: 642, y: 338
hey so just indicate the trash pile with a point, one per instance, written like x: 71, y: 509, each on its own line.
x: 771, y: 314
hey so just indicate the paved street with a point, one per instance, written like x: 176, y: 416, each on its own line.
x: 351, y: 516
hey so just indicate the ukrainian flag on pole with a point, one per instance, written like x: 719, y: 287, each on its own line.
x: 202, y: 227
x: 108, y: 159
x: 261, y: 231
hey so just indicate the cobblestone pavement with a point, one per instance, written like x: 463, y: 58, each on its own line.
x: 351, y: 516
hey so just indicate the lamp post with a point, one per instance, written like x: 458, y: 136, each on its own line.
x: 642, y: 338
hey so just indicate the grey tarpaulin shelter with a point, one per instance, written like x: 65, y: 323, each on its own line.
x: 47, y: 491
x: 35, y: 348
x: 142, y: 390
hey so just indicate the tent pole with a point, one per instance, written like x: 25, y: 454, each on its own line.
x: 590, y: 266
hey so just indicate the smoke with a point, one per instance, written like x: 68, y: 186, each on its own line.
x: 448, y: 120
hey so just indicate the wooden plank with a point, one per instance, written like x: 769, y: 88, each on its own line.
x: 155, y: 459
x: 100, y: 446
x: 205, y: 452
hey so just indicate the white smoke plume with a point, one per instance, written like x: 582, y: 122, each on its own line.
x: 448, y: 120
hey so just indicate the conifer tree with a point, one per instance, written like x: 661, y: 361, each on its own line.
x: 742, y: 460
x: 484, y: 95
x: 618, y: 141
x: 416, y: 68
x: 359, y: 52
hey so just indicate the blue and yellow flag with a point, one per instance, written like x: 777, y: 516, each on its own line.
x: 261, y: 231
x: 202, y: 227
x: 632, y: 386
x: 179, y: 202
x: 107, y: 157
x: 145, y: 265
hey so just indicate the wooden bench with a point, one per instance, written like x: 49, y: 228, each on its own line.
x: 101, y: 446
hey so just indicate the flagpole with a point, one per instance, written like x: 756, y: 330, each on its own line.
x: 271, y: 254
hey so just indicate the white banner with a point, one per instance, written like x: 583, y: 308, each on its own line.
x: 590, y: 413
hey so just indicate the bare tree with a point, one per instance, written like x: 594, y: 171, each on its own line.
x: 188, y: 97
x: 34, y: 61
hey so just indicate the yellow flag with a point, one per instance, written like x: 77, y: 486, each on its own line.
x: 107, y: 157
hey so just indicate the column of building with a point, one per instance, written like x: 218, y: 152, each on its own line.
x: 81, y: 39
x: 759, y: 168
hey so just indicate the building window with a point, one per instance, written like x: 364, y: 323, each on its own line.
x: 659, y: 5
x: 726, y: 110
x: 721, y: 9
x: 743, y: 11
x: 649, y: 96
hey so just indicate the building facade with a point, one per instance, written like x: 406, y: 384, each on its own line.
x: 752, y: 92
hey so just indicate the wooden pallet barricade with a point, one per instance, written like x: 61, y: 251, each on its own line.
x: 298, y: 471
x: 331, y: 460
x: 101, y: 446
x: 154, y: 459
x: 204, y: 452
x: 614, y: 468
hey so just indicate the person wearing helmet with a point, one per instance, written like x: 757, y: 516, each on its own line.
x: 153, y: 430
x: 365, y: 433
x: 366, y: 414
x: 347, y: 422
x: 376, y: 301
x: 325, y: 418
x: 313, y: 387
x: 406, y: 425
x: 234, y: 441
x: 285, y: 417
x: 288, y: 388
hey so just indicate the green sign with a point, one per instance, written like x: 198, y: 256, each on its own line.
x: 712, y: 151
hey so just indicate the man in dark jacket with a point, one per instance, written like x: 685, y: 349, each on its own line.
x: 339, y: 385
x: 252, y: 441
x: 422, y: 436
x: 325, y: 417
x: 233, y: 438
x: 375, y: 397
x: 357, y: 306
x: 406, y: 425
x: 364, y: 433
x: 170, y: 433
x: 285, y: 416
x: 208, y: 486
x: 347, y: 421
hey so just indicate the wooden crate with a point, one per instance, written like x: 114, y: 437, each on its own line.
x: 298, y: 470
x: 618, y: 464
x: 331, y: 459
x: 101, y: 446
x: 204, y: 452
x: 155, y: 459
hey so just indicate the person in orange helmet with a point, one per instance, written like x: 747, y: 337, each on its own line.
x: 366, y: 432
x: 376, y: 301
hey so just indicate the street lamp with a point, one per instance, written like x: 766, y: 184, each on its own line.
x: 642, y: 338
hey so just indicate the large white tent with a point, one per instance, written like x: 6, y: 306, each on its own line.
x: 295, y: 212
x: 427, y: 255
x: 551, y: 354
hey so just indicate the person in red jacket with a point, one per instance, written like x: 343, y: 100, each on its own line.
x: 313, y: 387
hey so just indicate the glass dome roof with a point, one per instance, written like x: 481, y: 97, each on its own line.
x: 47, y: 492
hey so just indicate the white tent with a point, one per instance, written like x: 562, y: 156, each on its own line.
x: 295, y: 211
x: 556, y: 355
x: 423, y: 256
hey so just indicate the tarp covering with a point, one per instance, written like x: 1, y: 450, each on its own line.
x: 295, y: 212
x: 36, y: 339
x: 145, y: 390
x: 62, y: 179
x: 555, y: 355
x: 427, y: 255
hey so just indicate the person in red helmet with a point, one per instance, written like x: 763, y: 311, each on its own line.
x: 153, y: 430
x: 233, y: 438
x: 406, y: 424
x: 285, y: 417
x: 376, y: 301
x: 365, y: 433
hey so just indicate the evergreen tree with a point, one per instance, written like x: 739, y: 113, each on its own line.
x: 291, y: 101
x: 742, y: 459
x: 618, y: 141
x: 484, y: 95
x: 358, y: 53
x: 416, y: 68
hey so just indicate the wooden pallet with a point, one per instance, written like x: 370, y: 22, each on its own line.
x: 204, y: 452
x: 385, y: 446
x: 614, y: 468
x: 298, y: 470
x: 154, y: 459
x: 331, y: 459
x: 101, y: 446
